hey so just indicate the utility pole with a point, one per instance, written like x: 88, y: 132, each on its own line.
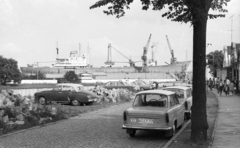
x: 231, y: 17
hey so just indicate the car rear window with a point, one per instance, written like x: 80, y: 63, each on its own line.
x: 155, y: 100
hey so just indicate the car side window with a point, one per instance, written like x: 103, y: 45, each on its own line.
x: 175, y: 99
x: 57, y: 88
x: 172, y: 102
x: 66, y: 88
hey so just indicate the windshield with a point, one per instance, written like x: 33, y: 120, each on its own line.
x: 156, y: 100
x: 80, y: 88
x: 179, y: 93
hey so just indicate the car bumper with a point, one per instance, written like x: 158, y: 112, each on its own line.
x: 146, y: 128
x: 92, y: 100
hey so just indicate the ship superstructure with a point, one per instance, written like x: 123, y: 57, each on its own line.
x: 75, y: 60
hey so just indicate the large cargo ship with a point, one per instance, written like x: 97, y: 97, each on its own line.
x: 80, y: 64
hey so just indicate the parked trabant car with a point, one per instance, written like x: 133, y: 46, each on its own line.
x: 66, y: 93
x: 154, y: 110
x: 184, y: 94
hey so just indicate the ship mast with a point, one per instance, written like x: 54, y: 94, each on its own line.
x: 88, y: 54
x: 57, y: 50
x: 79, y: 53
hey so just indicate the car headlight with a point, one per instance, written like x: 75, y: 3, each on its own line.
x: 91, y: 98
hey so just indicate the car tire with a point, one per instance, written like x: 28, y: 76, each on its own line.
x: 131, y: 132
x: 189, y: 115
x: 75, y: 102
x: 172, y: 132
x: 89, y: 103
x: 42, y: 100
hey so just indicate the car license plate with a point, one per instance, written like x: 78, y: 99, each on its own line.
x: 142, y: 120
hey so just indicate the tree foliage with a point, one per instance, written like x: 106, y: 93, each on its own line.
x: 197, y: 13
x: 71, y: 76
x: 9, y: 70
x: 178, y: 10
x: 215, y: 61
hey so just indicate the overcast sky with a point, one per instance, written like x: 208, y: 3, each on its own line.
x: 29, y: 30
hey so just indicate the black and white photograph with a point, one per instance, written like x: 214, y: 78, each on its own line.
x: 119, y: 73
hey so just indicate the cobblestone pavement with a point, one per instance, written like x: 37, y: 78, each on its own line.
x: 99, y: 129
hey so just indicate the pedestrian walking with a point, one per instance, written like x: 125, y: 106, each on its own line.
x: 231, y: 88
x: 226, y: 88
x: 210, y: 84
x: 217, y: 83
x: 220, y: 87
x: 214, y: 83
x: 235, y: 84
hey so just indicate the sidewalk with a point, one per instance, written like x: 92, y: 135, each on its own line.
x: 227, y: 128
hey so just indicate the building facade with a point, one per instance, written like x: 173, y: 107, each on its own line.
x: 231, y: 63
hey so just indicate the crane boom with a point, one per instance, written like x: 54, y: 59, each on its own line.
x: 144, y: 57
x: 173, y: 59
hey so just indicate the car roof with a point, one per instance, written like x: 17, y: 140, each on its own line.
x: 157, y: 91
x: 179, y: 87
x: 69, y: 84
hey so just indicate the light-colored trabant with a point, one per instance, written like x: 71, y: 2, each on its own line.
x: 154, y: 110
x: 184, y: 94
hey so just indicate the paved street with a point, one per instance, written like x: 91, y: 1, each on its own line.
x: 90, y: 130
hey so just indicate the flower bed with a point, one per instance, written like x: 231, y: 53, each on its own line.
x: 17, y: 112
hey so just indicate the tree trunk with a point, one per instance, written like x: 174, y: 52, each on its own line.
x: 199, y: 125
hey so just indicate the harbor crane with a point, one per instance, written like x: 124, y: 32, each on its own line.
x: 153, y: 62
x: 173, y: 59
x: 144, y: 56
x: 109, y: 58
x: 110, y: 62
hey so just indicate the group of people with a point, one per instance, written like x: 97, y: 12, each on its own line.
x: 226, y: 86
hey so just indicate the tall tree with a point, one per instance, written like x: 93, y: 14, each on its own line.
x: 71, y: 76
x: 9, y: 70
x: 215, y: 61
x: 197, y: 13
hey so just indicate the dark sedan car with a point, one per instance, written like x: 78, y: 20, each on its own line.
x: 66, y: 93
x: 142, y: 85
x: 121, y: 85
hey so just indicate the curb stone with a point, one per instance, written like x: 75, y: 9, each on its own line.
x: 215, y: 123
x: 181, y: 130
x: 47, y: 124
x: 177, y: 134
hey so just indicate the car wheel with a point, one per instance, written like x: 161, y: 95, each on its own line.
x: 131, y: 132
x: 42, y: 100
x: 75, y: 102
x: 172, y: 132
x: 90, y: 103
